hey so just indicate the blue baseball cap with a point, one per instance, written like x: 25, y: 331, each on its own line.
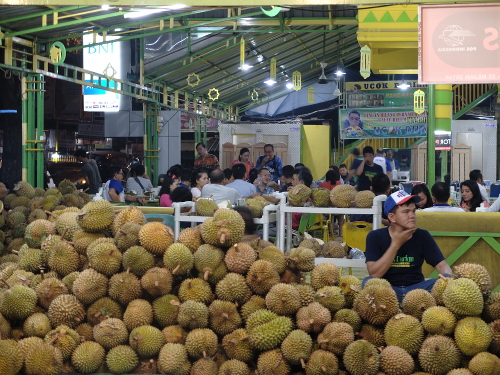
x: 397, y: 198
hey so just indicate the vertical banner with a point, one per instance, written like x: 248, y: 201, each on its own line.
x: 103, y: 59
x: 459, y: 43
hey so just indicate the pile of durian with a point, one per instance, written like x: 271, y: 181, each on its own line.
x: 341, y: 196
x: 207, y: 206
x: 94, y: 290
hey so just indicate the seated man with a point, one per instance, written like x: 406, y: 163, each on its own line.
x: 381, y: 185
x: 440, y: 195
x: 217, y: 190
x: 396, y: 253
x: 246, y: 189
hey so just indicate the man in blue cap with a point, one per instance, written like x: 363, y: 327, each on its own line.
x: 396, y: 253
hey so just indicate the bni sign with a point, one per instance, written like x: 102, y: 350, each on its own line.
x: 104, y: 59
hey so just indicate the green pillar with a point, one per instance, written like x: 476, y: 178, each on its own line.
x: 40, y: 125
x: 24, y: 127
x: 431, y: 138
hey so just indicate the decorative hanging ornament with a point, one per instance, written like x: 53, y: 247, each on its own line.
x: 242, y: 52
x: 213, y: 94
x: 310, y: 95
x: 272, y: 69
x: 272, y: 12
x: 419, y: 101
x: 57, y: 53
x: 193, y: 79
x: 297, y: 80
x: 109, y: 72
x: 365, y: 62
x: 254, y: 95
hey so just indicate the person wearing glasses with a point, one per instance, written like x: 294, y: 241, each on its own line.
x: 353, y: 125
x: 113, y: 190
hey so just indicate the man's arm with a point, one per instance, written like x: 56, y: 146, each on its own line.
x: 114, y: 195
x: 361, y: 167
x: 443, y: 268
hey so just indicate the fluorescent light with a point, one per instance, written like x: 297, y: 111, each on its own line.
x: 105, y: 6
x: 340, y: 72
x: 403, y: 85
x: 143, y: 12
x: 246, y: 67
x: 441, y: 132
x: 176, y: 6
x: 289, y: 85
x: 270, y: 82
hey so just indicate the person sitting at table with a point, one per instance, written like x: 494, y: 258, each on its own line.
x: 169, y: 184
x: 286, y: 178
x: 199, y: 179
x: 217, y: 191
x: 182, y: 194
x: 186, y: 175
x: 140, y: 181
x: 424, y: 194
x: 332, y: 179
x: 471, y: 196
x: 246, y: 189
x: 113, y: 190
x: 440, y: 197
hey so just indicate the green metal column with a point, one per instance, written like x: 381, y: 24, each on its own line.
x: 431, y: 138
x: 24, y: 127
x: 31, y: 128
x: 151, y: 113
x: 40, y: 126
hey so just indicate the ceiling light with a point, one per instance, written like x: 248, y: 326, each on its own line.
x: 340, y: 71
x: 105, y: 6
x: 403, y: 85
x: 337, y: 92
x: 270, y: 82
x: 143, y: 12
x: 289, y: 85
x: 246, y: 67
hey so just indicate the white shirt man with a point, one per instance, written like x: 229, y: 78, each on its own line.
x: 217, y: 191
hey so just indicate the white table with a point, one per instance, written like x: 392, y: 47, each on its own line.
x: 268, y: 216
x: 285, y: 215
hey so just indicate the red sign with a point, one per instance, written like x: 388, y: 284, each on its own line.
x: 459, y: 43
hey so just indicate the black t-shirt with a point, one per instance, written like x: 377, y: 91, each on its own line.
x: 365, y: 180
x: 406, y: 268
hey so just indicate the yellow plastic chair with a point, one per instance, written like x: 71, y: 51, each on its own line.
x: 317, y: 224
x: 355, y: 236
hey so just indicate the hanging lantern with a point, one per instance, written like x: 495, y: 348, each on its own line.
x: 272, y: 69
x: 242, y: 52
x: 419, y: 101
x: 297, y: 80
x: 213, y: 94
x: 310, y: 95
x: 365, y: 62
x: 255, y: 95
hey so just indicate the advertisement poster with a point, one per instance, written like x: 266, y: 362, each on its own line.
x: 381, y: 94
x: 382, y: 123
x: 459, y: 43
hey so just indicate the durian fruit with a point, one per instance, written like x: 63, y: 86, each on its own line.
x: 128, y: 236
x: 205, y: 207
x: 156, y: 237
x: 85, y: 331
x: 11, y: 357
x: 49, y: 289
x: 191, y: 237
x: 376, y: 304
x: 102, y: 309
x: 174, y: 334
x: 438, y: 355
x: 253, y: 304
x: 88, y: 356
x: 139, y: 312
x: 178, y: 259
x: 361, y: 357
x: 225, y: 229
x: 138, y: 260
x: 335, y: 337
x: 195, y: 289
x: 324, y: 274
x: 157, y: 281
x: 472, y: 335
x: 331, y: 297
x: 89, y: 286
x: 223, y: 317
x: 67, y: 224
x: 491, y: 310
x: 110, y: 333
x: 261, y: 276
x: 476, y: 272
x: 63, y: 258
x: 66, y: 187
x: 416, y: 302
x: 166, y: 310
x: 104, y: 257
x: 131, y: 214
x: 201, y: 342
x: 205, y: 366
x: 438, y: 320
x: 42, y: 359
x: 266, y: 330
x: 298, y: 195
x: 463, y: 297
x: 15, y: 219
x: 67, y: 310
x: 35, y: 214
x: 37, y: 324
x: 18, y: 302
x: 404, y: 331
x: 193, y: 315
x: 322, y: 362
x: 348, y: 316
x: 63, y: 338
x: 239, y: 258
x: 275, y: 256
x: 237, y: 345
x: 343, y: 196
x: 209, y: 261
x: 82, y: 239
x: 313, y: 318
x: 233, y: 288
x: 484, y: 363
x: 396, y: 361
x: 306, y: 292
x: 364, y: 199
x: 372, y: 334
x: 255, y: 207
x: 301, y: 259
x: 124, y: 287
x: 272, y: 362
x: 234, y: 367
x: 297, y: 347
x: 283, y: 299
x: 438, y: 289
x: 122, y: 359
x: 24, y: 189
x: 30, y: 259
x: 146, y: 341
x: 321, y: 197
x: 172, y: 358
x: 96, y: 216
x: 29, y: 343
x: 350, y: 285
x: 37, y: 231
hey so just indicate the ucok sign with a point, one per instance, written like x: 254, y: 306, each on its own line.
x: 459, y: 44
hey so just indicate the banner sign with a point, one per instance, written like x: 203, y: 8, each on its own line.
x: 382, y: 123
x: 380, y: 94
x: 459, y: 43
